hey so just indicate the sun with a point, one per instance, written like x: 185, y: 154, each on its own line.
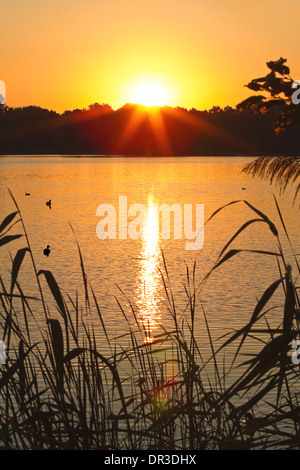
x: 149, y: 94
x: 152, y: 90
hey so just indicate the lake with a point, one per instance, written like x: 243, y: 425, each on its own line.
x: 129, y: 271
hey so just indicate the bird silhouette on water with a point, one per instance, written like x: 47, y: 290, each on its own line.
x: 47, y: 251
x: 48, y: 203
x: 27, y: 194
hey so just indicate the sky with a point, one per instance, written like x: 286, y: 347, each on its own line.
x: 68, y: 54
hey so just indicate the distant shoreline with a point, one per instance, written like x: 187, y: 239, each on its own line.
x: 136, y: 156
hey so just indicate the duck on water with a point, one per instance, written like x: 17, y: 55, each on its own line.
x: 47, y: 251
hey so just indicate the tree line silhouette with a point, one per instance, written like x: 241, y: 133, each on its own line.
x: 136, y: 130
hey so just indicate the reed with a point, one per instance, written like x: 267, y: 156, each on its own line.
x: 62, y: 392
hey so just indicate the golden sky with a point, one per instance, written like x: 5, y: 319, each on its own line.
x: 66, y: 54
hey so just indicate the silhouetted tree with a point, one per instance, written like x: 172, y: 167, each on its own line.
x: 280, y: 88
x: 284, y: 99
x: 102, y: 108
x: 3, y: 107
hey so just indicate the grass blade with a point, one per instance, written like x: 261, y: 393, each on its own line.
x: 58, y: 350
x: 16, y: 267
x: 8, y: 239
x: 7, y: 221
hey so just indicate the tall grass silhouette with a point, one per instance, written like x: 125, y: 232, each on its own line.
x: 62, y: 392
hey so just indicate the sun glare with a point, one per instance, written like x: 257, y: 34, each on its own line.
x: 149, y: 94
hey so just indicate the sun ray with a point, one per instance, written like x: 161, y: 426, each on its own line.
x: 130, y: 130
x: 160, y: 132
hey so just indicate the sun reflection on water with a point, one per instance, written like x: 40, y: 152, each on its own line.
x: 148, y: 279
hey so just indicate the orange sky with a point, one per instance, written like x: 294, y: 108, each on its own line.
x: 66, y: 54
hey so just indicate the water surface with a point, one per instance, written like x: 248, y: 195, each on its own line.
x: 130, y: 270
